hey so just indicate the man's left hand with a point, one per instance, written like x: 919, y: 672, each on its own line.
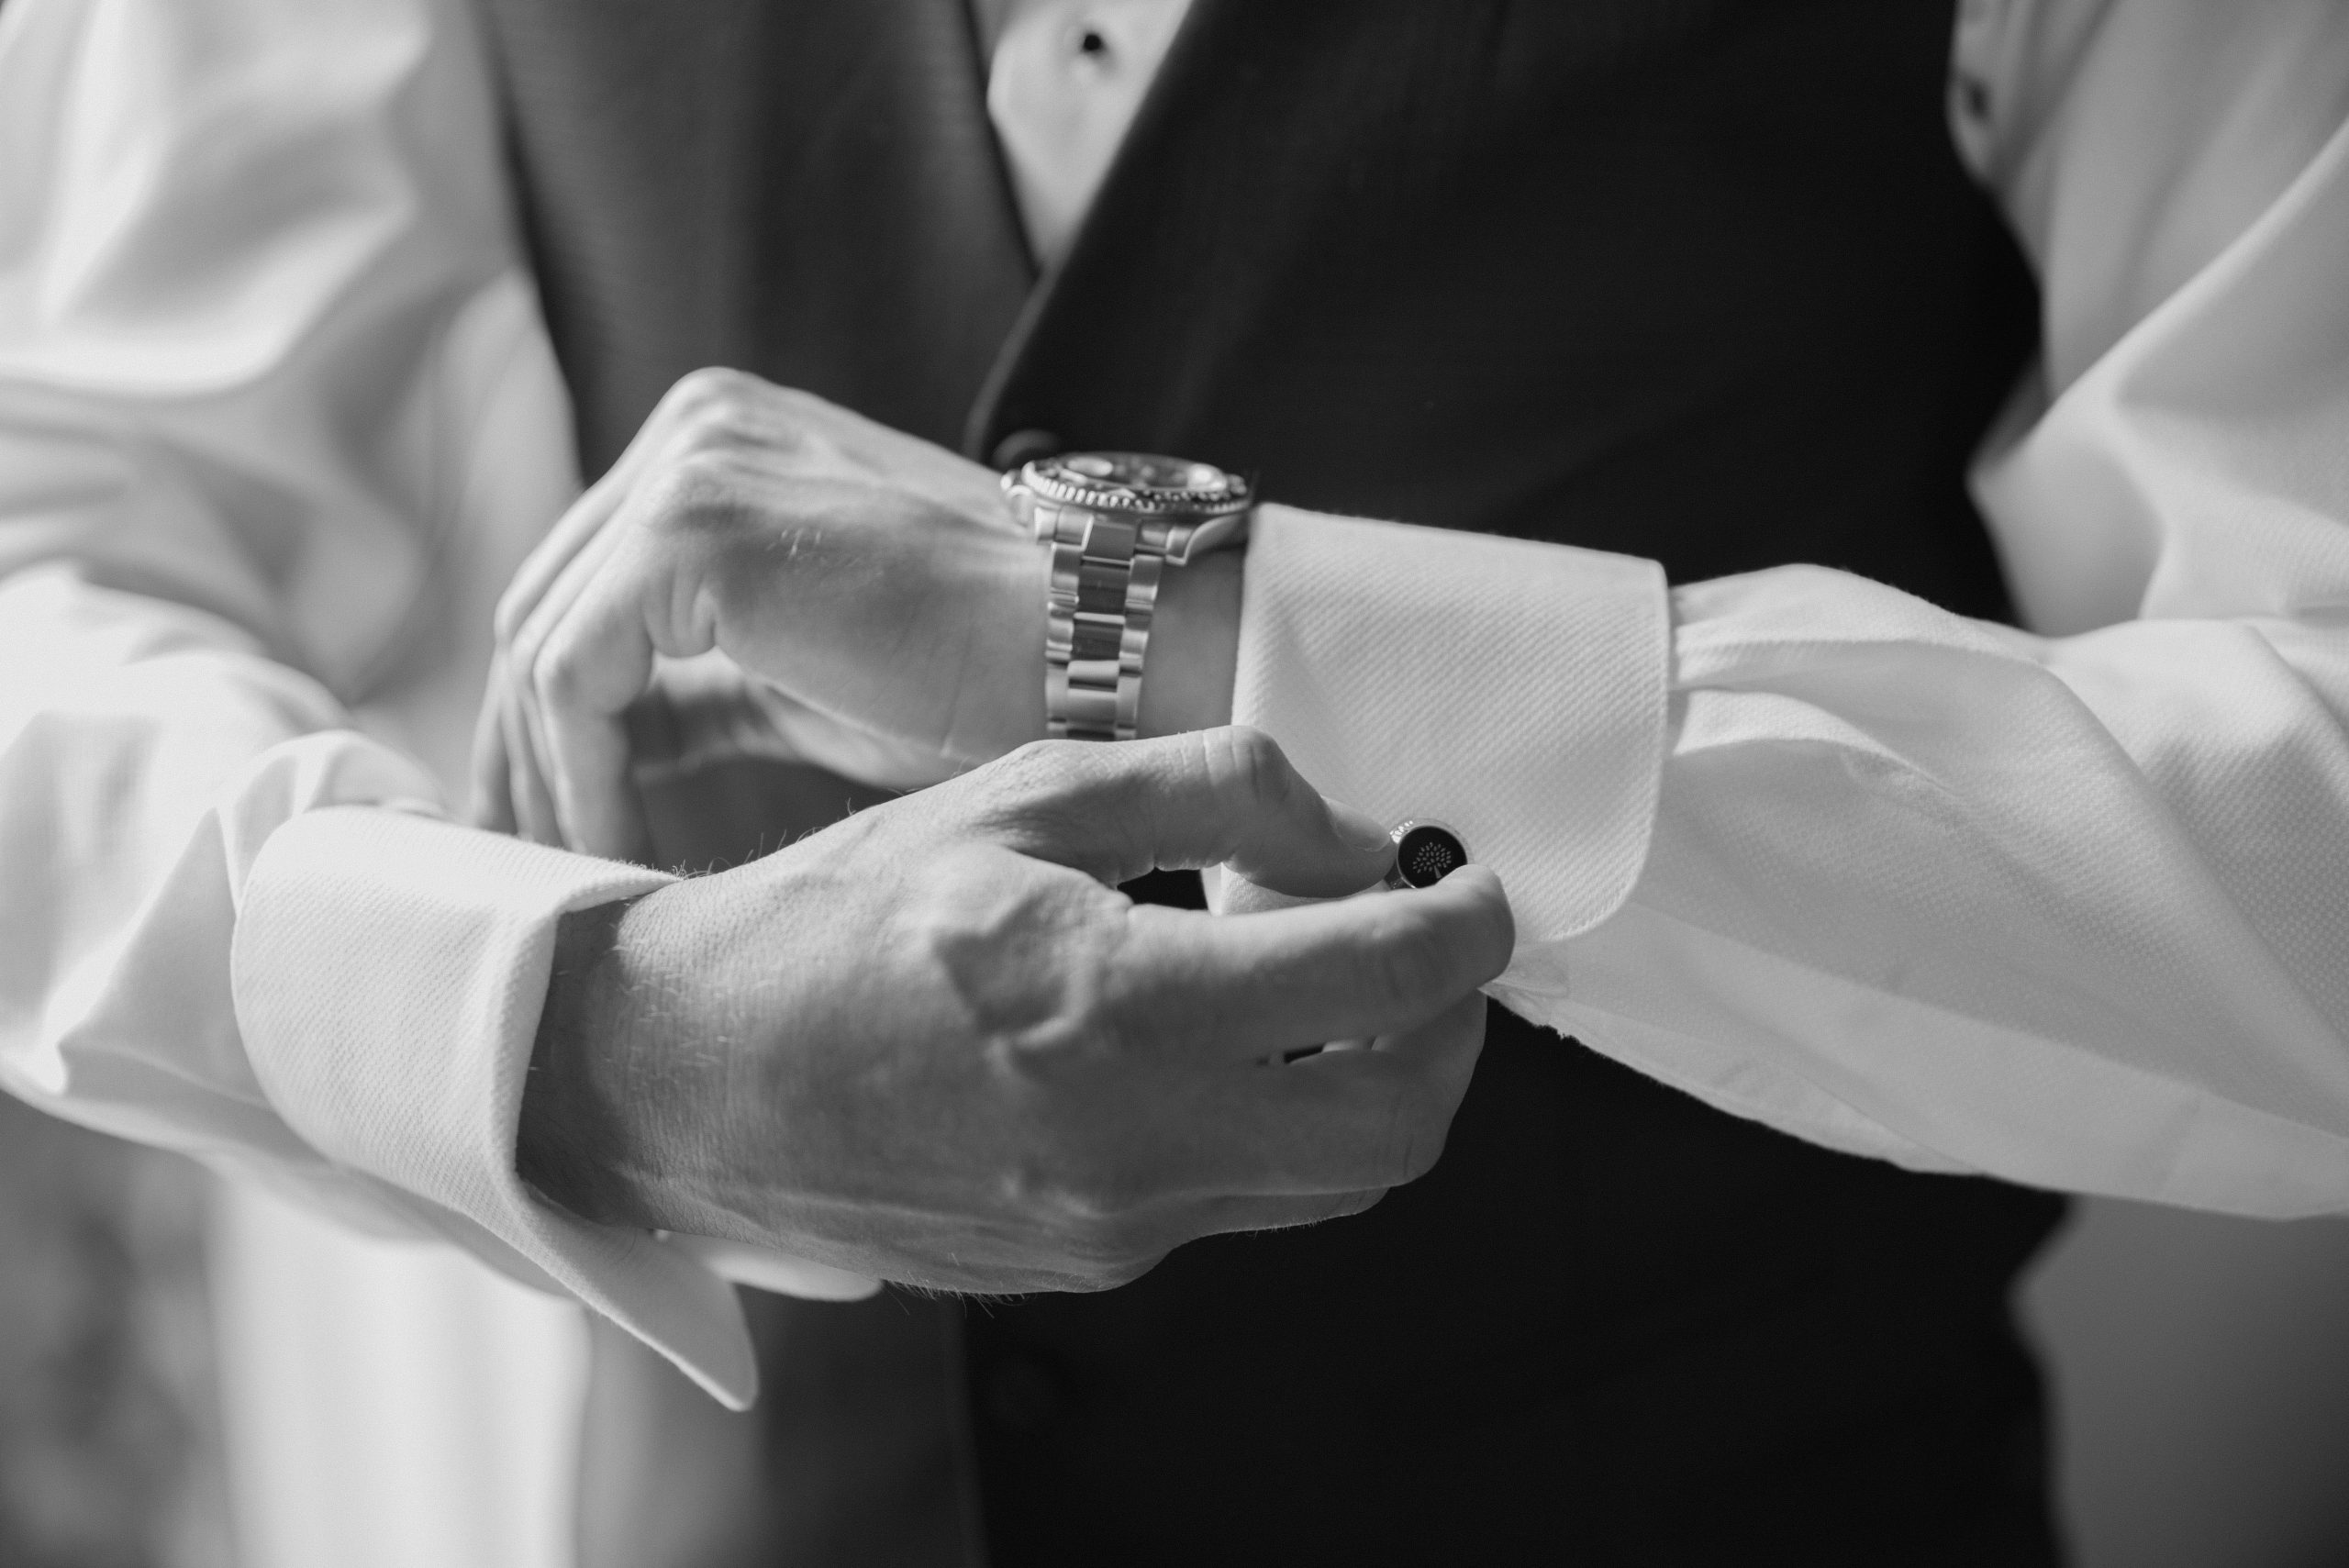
x: 864, y: 599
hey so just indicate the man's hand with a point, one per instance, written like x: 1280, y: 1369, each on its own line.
x: 851, y: 582
x: 932, y: 1043
x: 846, y: 594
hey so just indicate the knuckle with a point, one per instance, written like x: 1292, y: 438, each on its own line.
x: 1257, y: 746
x: 797, y: 402
x: 1048, y: 761
x: 722, y: 409
x: 693, y: 493
x: 709, y: 389
x: 1031, y: 964
x: 558, y: 673
x: 1040, y: 773
x: 1255, y: 767
x: 728, y: 415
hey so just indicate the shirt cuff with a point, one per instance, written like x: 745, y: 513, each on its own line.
x: 1515, y: 691
x: 389, y: 971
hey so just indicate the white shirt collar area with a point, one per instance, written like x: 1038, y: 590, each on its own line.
x: 1064, y: 80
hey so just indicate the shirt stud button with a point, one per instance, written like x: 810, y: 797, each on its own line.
x: 1425, y: 853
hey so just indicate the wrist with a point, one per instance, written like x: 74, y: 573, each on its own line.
x: 1142, y: 630
x: 584, y: 1142
x: 1194, y: 655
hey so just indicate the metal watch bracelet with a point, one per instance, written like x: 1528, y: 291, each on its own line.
x: 1113, y: 525
x: 1097, y: 625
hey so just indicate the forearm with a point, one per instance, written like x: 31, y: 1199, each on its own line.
x: 608, y: 1126
x: 573, y: 1142
x: 642, y: 1085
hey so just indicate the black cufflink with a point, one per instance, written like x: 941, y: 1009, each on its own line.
x: 1425, y: 853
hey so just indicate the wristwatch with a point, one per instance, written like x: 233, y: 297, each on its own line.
x: 1114, y: 522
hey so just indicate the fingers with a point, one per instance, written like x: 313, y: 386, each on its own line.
x: 589, y: 515
x: 1340, y: 1123
x: 585, y: 665
x: 533, y: 608
x: 534, y: 815
x: 1197, y: 799
x: 493, y: 801
x: 697, y: 711
x: 1246, y: 986
x: 693, y: 538
x: 1330, y: 1128
x: 571, y: 534
x: 595, y: 786
x: 1258, y: 1149
x: 1238, y: 896
x: 574, y: 666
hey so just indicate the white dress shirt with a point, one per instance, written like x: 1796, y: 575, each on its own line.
x: 2070, y: 906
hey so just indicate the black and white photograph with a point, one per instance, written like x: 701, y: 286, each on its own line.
x: 1134, y: 784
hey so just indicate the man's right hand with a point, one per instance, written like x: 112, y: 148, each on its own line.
x: 934, y: 1044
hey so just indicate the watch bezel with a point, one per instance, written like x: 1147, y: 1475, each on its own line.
x: 1127, y: 490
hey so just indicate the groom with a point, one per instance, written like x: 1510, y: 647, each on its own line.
x: 1459, y: 266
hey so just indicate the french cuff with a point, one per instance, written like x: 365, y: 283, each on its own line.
x: 389, y: 969
x: 1515, y: 691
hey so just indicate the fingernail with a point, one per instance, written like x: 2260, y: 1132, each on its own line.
x: 1359, y: 829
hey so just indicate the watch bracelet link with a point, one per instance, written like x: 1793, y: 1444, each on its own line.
x: 1113, y: 523
x: 1102, y: 592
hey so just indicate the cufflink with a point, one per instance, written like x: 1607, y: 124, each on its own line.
x: 1425, y: 853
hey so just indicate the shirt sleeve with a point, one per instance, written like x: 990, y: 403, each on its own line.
x: 2066, y: 905
x: 269, y: 373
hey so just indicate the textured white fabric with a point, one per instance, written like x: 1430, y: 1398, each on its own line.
x: 278, y: 417
x: 1387, y: 660
x: 440, y: 939
x: 1064, y: 80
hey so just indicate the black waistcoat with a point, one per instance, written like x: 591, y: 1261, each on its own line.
x: 1699, y: 279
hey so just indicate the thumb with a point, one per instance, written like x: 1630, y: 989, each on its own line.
x: 1209, y: 797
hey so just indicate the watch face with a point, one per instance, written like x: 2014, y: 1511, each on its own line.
x: 1138, y: 481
